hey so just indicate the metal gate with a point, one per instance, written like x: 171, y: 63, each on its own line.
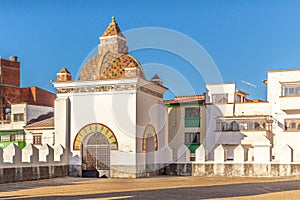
x: 95, y: 156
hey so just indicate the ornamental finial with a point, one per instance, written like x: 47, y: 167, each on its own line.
x: 113, y: 20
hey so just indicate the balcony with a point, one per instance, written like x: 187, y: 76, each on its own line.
x: 243, y: 129
x: 190, y: 122
x: 290, y: 104
x: 8, y: 137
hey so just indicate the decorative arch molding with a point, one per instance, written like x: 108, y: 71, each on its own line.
x: 150, y: 132
x: 92, y: 128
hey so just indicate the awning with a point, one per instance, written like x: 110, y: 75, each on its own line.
x: 10, y: 132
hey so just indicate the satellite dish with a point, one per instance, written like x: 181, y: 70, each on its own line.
x: 7, y: 110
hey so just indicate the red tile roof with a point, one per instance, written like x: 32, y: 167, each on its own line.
x: 187, y: 99
x: 44, y: 124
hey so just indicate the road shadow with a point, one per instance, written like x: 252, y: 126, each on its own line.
x: 9, y: 187
x: 198, y: 192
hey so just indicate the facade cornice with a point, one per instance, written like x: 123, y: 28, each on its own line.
x: 100, y: 86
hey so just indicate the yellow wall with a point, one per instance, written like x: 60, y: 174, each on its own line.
x: 176, y: 126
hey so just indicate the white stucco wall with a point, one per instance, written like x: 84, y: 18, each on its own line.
x: 126, y: 112
x: 116, y: 111
x: 62, y: 122
x: 225, y: 88
x: 261, y: 108
x: 151, y: 111
x: 48, y: 137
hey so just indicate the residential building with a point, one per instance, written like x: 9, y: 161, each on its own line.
x: 20, y: 107
x: 284, y: 97
x: 41, y: 132
x: 186, y: 123
x: 23, y: 114
x: 232, y: 119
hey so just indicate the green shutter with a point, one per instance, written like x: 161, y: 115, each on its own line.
x: 192, y: 147
x: 192, y: 122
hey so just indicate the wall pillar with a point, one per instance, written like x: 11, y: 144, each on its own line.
x: 220, y: 154
x: 240, y: 154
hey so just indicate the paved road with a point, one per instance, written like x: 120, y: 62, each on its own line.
x: 40, y: 188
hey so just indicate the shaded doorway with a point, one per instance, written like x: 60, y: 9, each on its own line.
x: 95, y: 153
x: 150, y: 167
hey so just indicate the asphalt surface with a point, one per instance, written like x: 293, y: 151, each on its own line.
x: 190, y: 192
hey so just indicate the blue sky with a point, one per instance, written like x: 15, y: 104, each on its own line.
x: 244, y: 38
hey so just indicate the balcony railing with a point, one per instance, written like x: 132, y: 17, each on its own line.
x: 244, y: 124
x: 5, y: 121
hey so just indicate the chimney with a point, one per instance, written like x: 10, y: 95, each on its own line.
x: 13, y: 58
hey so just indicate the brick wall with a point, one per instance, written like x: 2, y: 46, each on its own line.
x: 26, y: 95
x: 10, y: 71
x: 11, y: 93
x: 37, y: 96
x: 10, y: 84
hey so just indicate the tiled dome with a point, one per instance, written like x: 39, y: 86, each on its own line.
x: 109, y: 66
x: 112, y: 59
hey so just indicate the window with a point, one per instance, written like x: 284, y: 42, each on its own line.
x: 192, y: 138
x: 234, y: 126
x: 238, y: 98
x: 192, y: 112
x: 192, y: 117
x: 292, y: 124
x: 5, y: 138
x: 220, y: 98
x: 290, y: 89
x: 241, y: 124
x: 37, y: 139
x: 19, y: 117
x: 12, y: 137
x: 53, y: 138
x: 221, y: 125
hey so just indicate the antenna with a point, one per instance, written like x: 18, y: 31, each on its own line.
x: 248, y: 85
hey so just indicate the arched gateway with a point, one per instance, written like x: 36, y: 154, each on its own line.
x: 95, y: 142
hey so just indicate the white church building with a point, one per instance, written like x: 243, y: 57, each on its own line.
x: 112, y: 120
